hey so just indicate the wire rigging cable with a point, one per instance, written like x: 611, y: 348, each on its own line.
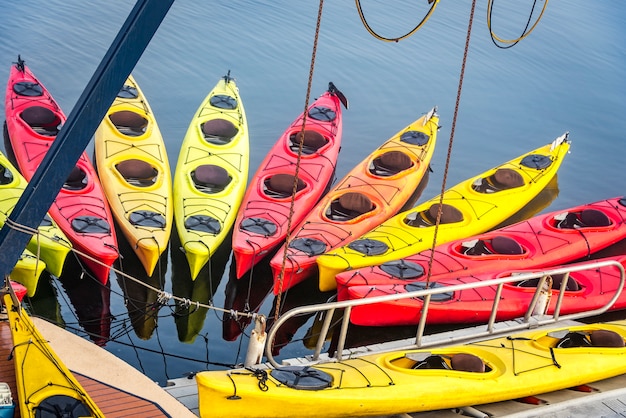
x: 433, y: 5
x: 497, y: 41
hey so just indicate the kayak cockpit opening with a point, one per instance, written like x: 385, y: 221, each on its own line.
x: 280, y: 186
x: 77, y: 180
x: 581, y: 338
x: 219, y: 131
x: 499, y: 244
x: 6, y: 176
x: 312, y: 141
x: 586, y: 218
x: 502, y: 179
x: 349, y: 206
x: 209, y: 178
x: 129, y: 123
x: 390, y: 163
x: 426, y: 218
x: 557, y: 280
x: 137, y: 172
x: 463, y: 362
x: 42, y: 120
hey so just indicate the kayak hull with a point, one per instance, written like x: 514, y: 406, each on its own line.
x: 80, y: 209
x: 268, y: 211
x: 524, y: 364
x: 211, y: 173
x: 135, y: 174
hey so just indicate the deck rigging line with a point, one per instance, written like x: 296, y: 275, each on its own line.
x: 300, y: 145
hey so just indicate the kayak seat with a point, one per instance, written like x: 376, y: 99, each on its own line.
x: 312, y: 141
x: 42, y: 120
x: 390, y: 163
x: 467, y: 363
x: 572, y: 285
x: 432, y: 362
x: 606, y: 338
x: 586, y: 218
x: 129, y: 123
x: 77, y: 180
x: 281, y: 185
x: 349, y: 206
x: 219, y: 131
x: 6, y: 176
x: 449, y: 215
x: 502, y: 179
x: 137, y: 172
x: 210, y: 178
x: 574, y: 339
x: 497, y: 245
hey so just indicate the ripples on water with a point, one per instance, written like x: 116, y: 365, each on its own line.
x: 568, y: 75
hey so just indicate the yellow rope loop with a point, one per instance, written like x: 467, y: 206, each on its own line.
x: 526, y: 30
x: 433, y: 6
x: 295, y: 181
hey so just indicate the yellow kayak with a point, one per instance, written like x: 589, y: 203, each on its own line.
x: 211, y: 174
x: 50, y: 244
x: 27, y: 271
x: 135, y: 173
x: 525, y: 364
x: 44, y: 384
x: 471, y: 207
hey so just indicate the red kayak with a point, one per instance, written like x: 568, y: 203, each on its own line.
x: 33, y: 120
x: 546, y: 240
x: 373, y: 191
x: 263, y: 217
x: 585, y: 290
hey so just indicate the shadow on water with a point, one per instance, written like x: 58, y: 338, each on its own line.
x: 141, y: 301
x: 188, y: 317
x: 245, y: 295
x: 304, y: 293
x: 44, y: 303
x: 91, y: 301
x: 540, y: 202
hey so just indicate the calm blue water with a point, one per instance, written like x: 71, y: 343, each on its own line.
x: 568, y: 75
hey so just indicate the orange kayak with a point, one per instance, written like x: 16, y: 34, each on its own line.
x: 375, y: 190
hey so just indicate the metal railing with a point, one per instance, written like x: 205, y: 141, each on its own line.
x: 527, y: 321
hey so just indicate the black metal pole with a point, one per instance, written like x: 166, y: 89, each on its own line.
x: 119, y: 61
